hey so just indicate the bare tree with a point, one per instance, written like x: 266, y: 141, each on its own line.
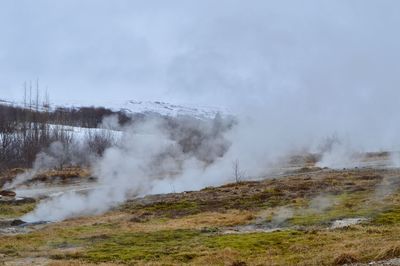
x: 238, y: 174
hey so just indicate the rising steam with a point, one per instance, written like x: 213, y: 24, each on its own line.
x: 293, y: 73
x: 151, y: 156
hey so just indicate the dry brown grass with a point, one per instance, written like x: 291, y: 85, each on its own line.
x: 49, y: 262
x: 64, y: 174
x: 77, y: 263
x: 345, y: 258
x: 226, y: 256
x: 389, y: 252
x: 123, y: 222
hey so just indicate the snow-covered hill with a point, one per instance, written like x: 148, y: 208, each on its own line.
x: 27, y: 105
x: 138, y: 107
x: 167, y: 109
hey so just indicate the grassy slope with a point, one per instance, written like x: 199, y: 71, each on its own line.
x: 187, y: 228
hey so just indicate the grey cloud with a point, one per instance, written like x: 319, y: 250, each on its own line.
x: 310, y: 67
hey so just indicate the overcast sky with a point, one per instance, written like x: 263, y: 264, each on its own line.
x: 205, y: 52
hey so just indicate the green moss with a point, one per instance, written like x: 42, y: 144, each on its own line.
x: 13, y: 245
x: 59, y: 237
x: 388, y: 217
x: 128, y: 247
x: 180, y: 246
x: 183, y: 246
x: 278, y: 244
x: 249, y: 244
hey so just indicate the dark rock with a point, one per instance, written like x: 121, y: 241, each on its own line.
x: 17, y: 222
x: 25, y: 200
x: 33, y: 223
x: 7, y: 193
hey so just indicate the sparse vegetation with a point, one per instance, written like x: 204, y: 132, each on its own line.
x: 9, y: 211
x: 190, y: 228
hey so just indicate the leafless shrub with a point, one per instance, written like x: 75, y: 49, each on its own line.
x: 99, y: 141
x: 238, y: 174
